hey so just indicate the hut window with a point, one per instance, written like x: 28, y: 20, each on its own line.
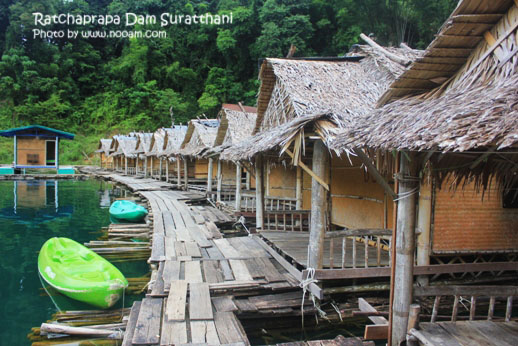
x: 510, y: 197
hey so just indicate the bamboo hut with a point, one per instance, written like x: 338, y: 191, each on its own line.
x: 452, y: 118
x: 302, y: 105
x: 199, y: 137
x: 106, y: 161
x: 124, y: 156
x: 142, y: 150
x: 237, y: 123
x: 172, y: 142
x: 155, y: 155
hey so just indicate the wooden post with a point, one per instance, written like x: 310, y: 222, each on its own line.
x: 209, y: 175
x: 145, y: 168
x: 178, y: 171
x: 186, y: 174
x: 101, y: 157
x: 318, y: 206
x: 56, y: 154
x: 125, y: 165
x: 267, y: 178
x: 423, y: 225
x: 405, y: 245
x: 136, y: 165
x: 238, y: 186
x: 160, y: 169
x: 259, y: 193
x: 248, y: 180
x: 298, y: 189
x: 167, y: 169
x: 151, y: 164
x: 220, y: 181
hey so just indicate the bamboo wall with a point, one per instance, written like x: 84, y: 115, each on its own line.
x: 31, y: 146
x: 228, y: 172
x: 357, y: 201
x: 463, y: 222
x: 281, y: 181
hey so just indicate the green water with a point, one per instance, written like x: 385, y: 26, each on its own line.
x: 30, y: 213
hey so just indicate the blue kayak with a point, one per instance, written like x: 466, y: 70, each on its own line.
x: 127, y: 210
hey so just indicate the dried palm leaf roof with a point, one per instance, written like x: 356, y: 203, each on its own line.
x: 173, y: 139
x: 477, y: 107
x: 156, y: 145
x: 143, y: 143
x: 457, y: 39
x: 104, y: 146
x: 295, y: 89
x: 125, y: 145
x: 236, y: 123
x: 200, y: 136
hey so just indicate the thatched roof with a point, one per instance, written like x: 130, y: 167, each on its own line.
x: 236, y: 124
x: 125, y: 145
x: 459, y: 36
x: 143, y: 143
x: 477, y: 107
x: 156, y: 145
x: 104, y: 146
x: 199, y: 137
x: 340, y: 90
x: 173, y: 139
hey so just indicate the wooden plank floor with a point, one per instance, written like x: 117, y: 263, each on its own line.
x: 472, y: 333
x: 295, y: 245
x: 190, y: 296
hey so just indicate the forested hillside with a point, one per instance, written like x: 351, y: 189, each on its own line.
x: 96, y: 87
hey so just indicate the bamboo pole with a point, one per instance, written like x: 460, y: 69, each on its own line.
x: 238, y: 186
x: 318, y: 206
x: 259, y: 193
x: 209, y: 175
x: 423, y: 226
x: 298, y: 190
x: 405, y: 245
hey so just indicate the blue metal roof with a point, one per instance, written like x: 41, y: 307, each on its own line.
x: 36, y: 131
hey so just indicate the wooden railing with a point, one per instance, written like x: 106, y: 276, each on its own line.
x: 286, y: 220
x: 378, y: 239
x: 131, y: 170
x: 488, y: 296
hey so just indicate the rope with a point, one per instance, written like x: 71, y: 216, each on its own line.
x: 242, y: 221
x: 304, y: 285
x: 407, y: 194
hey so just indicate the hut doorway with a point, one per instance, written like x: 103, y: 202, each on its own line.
x: 50, y: 153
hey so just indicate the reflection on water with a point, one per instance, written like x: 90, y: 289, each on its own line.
x: 30, y: 213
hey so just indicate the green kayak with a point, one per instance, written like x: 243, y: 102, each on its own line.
x: 127, y: 210
x: 80, y: 273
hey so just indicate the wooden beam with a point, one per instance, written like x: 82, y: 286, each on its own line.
x: 359, y: 233
x: 374, y: 172
x: 393, y: 57
x: 363, y: 305
x: 486, y: 291
x: 376, y: 332
x: 309, y: 171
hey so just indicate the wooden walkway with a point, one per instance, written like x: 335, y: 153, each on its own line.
x: 202, y: 280
x: 295, y: 245
x: 467, y: 333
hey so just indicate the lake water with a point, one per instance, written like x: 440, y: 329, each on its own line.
x: 30, y: 213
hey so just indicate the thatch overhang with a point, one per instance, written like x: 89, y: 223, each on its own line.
x: 200, y: 136
x: 143, y: 144
x: 104, y: 146
x: 468, y: 125
x: 295, y: 92
x: 173, y: 140
x: 459, y: 36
